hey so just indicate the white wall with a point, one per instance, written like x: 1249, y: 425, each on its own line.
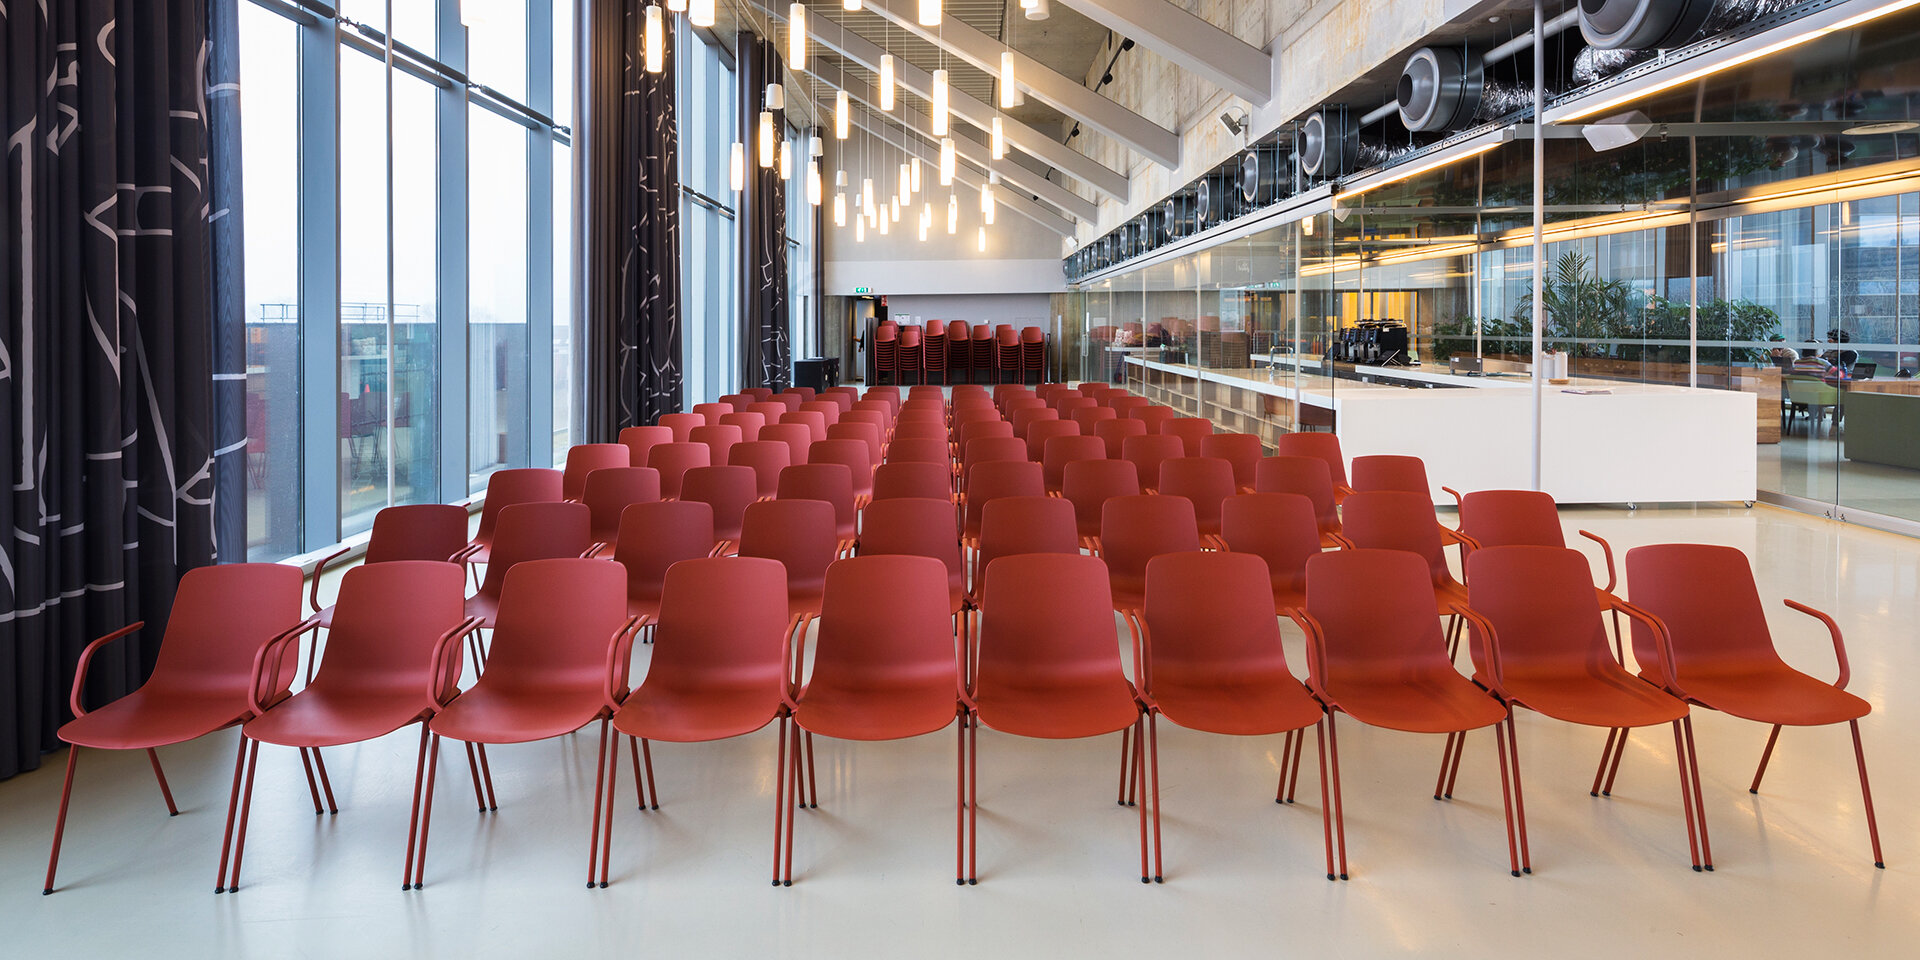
x: 1021, y: 310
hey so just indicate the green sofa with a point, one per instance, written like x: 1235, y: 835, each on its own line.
x: 1883, y: 428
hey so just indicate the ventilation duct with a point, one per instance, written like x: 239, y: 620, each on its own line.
x: 1439, y: 89
x: 1204, y: 211
x: 1641, y: 24
x: 1597, y: 63
x: 1328, y: 147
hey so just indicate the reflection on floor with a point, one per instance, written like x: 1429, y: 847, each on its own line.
x: 1057, y: 857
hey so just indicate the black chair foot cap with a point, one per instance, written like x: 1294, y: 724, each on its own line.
x: 973, y: 881
x: 1606, y: 793
x: 1878, y: 863
x: 1696, y: 868
x: 174, y: 813
x: 603, y: 884
x: 1289, y: 799
x: 1448, y: 796
x: 656, y: 806
x: 1156, y: 879
x: 1343, y: 876
x: 788, y: 883
x: 1709, y: 868
x: 1514, y: 872
x: 776, y: 883
x: 216, y: 890
x: 1145, y: 880
x: 959, y: 881
x: 813, y: 806
x: 483, y: 809
x: 1751, y: 790
x: 419, y: 886
x: 1593, y: 793
x: 1129, y: 803
x: 1436, y: 796
x: 1331, y: 877
x: 1527, y: 870
x: 48, y: 892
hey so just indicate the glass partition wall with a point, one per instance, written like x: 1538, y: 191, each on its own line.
x: 1774, y: 249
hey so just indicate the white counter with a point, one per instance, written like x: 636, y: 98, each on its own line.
x: 1640, y: 443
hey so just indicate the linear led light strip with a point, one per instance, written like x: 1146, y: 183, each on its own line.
x: 1809, y: 29
x: 1485, y: 143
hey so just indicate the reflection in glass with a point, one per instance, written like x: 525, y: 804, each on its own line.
x: 363, y: 329
x: 563, y: 361
x: 497, y: 345
x: 416, y: 311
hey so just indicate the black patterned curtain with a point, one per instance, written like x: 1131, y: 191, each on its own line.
x: 766, y: 349
x: 107, y: 350
x: 633, y: 226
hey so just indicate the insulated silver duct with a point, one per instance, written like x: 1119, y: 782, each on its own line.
x: 1327, y: 146
x: 1641, y: 24
x: 1598, y: 62
x: 1376, y: 154
x: 1439, y: 89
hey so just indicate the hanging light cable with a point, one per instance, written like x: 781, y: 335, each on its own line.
x: 655, y: 40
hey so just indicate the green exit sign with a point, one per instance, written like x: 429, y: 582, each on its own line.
x: 862, y: 291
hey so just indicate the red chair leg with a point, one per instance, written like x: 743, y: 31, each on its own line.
x: 1126, y: 765
x: 153, y: 757
x: 1153, y: 774
x: 599, y: 795
x: 60, y: 824
x: 426, y: 811
x: 1866, y: 795
x: 646, y: 759
x: 813, y: 787
x: 1519, y: 794
x: 960, y: 799
x: 1140, y: 773
x: 226, y: 836
x: 1619, y: 751
x: 613, y: 776
x: 1699, y: 805
x: 1446, y: 761
x: 473, y: 773
x: 1686, y: 794
x: 1506, y: 803
x: 413, y: 812
x: 973, y: 799
x: 787, y: 869
x: 313, y: 786
x: 486, y: 776
x: 1606, y: 754
x: 1286, y: 756
x: 246, y: 808
x: 1293, y: 779
x: 1453, y: 774
x: 1765, y: 755
x: 326, y: 786
x: 1327, y: 808
x: 780, y: 780
x: 639, y: 782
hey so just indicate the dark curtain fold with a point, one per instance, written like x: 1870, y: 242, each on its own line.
x: 765, y: 314
x: 633, y: 331
x: 107, y: 350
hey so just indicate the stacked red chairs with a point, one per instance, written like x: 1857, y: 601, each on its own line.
x: 1538, y: 642
x: 211, y: 666
x: 984, y: 352
x: 959, y: 351
x: 934, y: 355
x: 912, y: 355
x: 1706, y: 642
x: 1006, y: 353
x: 1375, y: 653
x: 1033, y: 354
x: 416, y: 531
x: 886, y: 351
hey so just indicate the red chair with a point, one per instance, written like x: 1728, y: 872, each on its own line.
x: 1505, y: 518
x: 878, y: 417
x: 1147, y: 453
x: 1243, y: 450
x: 719, y: 441
x: 806, y: 394
x: 415, y: 531
x: 1375, y: 653
x: 713, y: 411
x: 1398, y: 520
x: 889, y: 394
x: 1134, y: 530
x: 384, y: 669
x: 1010, y: 526
x: 1308, y: 477
x: 530, y: 531
x: 1324, y: 446
x: 1383, y: 472
x: 748, y: 424
x: 1192, y: 431
x: 640, y: 442
x: 830, y: 483
x: 912, y: 355
x: 673, y: 460
x: 654, y: 537
x: 1023, y: 419
x: 728, y: 490
x: 1710, y: 646
x: 845, y: 396
x: 1050, y: 669
x: 739, y: 401
x: 813, y: 420
x: 970, y: 430
x: 1154, y: 417
x: 827, y: 409
x: 855, y: 455
x: 801, y: 535
x: 959, y: 349
x: 767, y: 458
x: 934, y: 342
x: 920, y: 450
x: 1033, y: 353
x: 1123, y: 403
x: 866, y: 433
x: 1061, y: 392
x: 1279, y: 528
x: 1203, y: 480
x: 927, y: 391
x: 1088, y: 485
x: 759, y: 394
x: 585, y: 458
x: 930, y: 429
x: 1114, y: 433
x: 719, y: 669
x: 769, y: 409
x: 1214, y: 662
x: 1059, y: 451
x: 223, y: 619
x: 505, y: 488
x: 546, y: 674
x: 795, y: 435
x: 985, y: 350
x: 1006, y: 353
x: 1538, y: 642
x: 1071, y: 403
x: 609, y: 492
x: 886, y: 351
x: 681, y: 424
x: 988, y: 450
x: 918, y: 527
x: 1089, y: 418
x: 996, y: 479
x: 1013, y: 406
x: 934, y: 481
x: 1039, y: 432
x: 883, y: 669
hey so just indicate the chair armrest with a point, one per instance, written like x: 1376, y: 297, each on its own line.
x: 1345, y: 544
x: 442, y: 689
x: 794, y: 651
x: 1663, y: 643
x: 1458, y: 500
x: 313, y: 588
x: 599, y: 547
x: 86, y: 660
x: 464, y: 554
x: 620, y: 661
x: 1839, y: 645
x: 276, y: 648
x: 1316, y: 653
x: 1489, y: 648
x: 1606, y: 548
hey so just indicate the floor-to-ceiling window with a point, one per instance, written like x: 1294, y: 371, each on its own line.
x: 406, y: 205
x: 709, y: 325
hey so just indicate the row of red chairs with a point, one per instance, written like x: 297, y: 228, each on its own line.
x: 951, y: 351
x: 1136, y: 532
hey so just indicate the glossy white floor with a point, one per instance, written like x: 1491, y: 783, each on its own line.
x: 874, y: 864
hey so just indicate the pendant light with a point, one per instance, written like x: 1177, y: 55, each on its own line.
x: 866, y: 192
x: 998, y: 139
x: 1036, y: 9
x: 842, y: 119
x: 737, y: 166
x: 929, y: 13
x: 859, y: 231
x: 915, y: 167
x: 655, y: 40
x: 883, y: 226
x: 677, y: 6
x: 895, y: 213
x: 786, y: 159
x: 797, y: 36
x: 946, y: 161
x: 766, y: 139
x: 840, y: 209
x: 886, y: 81
x: 473, y: 13
x: 839, y: 178
x: 776, y: 97
x: 983, y: 239
x: 850, y: 6
x: 814, y: 188
x: 953, y: 213
x: 700, y: 13
x: 1009, y: 91
x: 816, y: 147
x: 986, y: 198
x: 940, y: 102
